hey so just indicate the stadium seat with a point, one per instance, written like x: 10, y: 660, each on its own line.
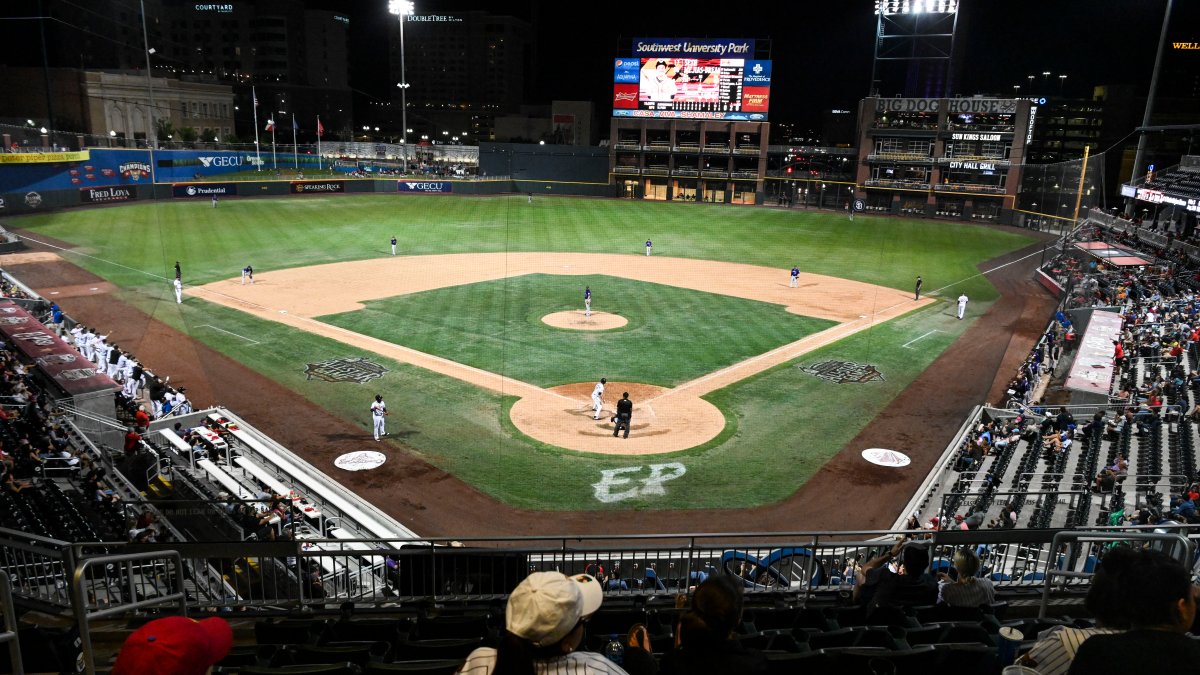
x: 289, y: 631
x: 965, y: 658
x: 803, y: 662
x: 459, y: 626
x: 447, y: 648
x: 358, y: 653
x: 307, y: 669
x: 842, y: 637
x: 375, y: 630
x: 925, y: 635
x: 915, y: 661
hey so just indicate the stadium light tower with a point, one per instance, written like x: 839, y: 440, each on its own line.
x: 402, y: 8
x: 920, y: 34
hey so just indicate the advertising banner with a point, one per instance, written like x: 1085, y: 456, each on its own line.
x: 317, y: 187
x: 424, y: 186
x: 186, y: 190
x: 53, y: 357
x: 721, y: 48
x: 44, y: 157
x: 103, y: 195
x: 692, y: 88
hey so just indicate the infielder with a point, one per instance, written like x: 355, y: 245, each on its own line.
x: 962, y: 305
x: 649, y: 246
x: 378, y: 413
x: 393, y: 244
x: 598, y: 398
x: 917, y: 292
x: 247, y: 274
x: 178, y: 291
x: 795, y: 282
x: 587, y: 300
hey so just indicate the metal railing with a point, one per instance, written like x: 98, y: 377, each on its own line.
x: 100, y: 595
x: 9, y: 636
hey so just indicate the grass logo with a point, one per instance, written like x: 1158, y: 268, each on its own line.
x: 843, y: 372
x: 358, y: 370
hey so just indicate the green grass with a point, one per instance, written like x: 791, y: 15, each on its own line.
x: 784, y: 424
x: 673, y: 335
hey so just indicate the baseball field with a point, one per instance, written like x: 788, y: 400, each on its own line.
x: 475, y: 333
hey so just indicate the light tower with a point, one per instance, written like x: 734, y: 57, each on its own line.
x: 918, y: 36
x: 402, y: 9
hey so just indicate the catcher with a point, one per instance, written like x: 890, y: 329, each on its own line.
x: 379, y: 411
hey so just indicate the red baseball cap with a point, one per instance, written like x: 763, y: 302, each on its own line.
x: 175, y: 645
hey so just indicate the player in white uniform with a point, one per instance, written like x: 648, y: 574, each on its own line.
x: 378, y: 413
x: 178, y: 291
x: 598, y: 398
x: 962, y: 305
x: 649, y: 245
x: 587, y: 300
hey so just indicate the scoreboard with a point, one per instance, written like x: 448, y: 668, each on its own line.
x: 696, y: 88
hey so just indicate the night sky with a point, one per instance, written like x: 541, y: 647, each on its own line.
x: 822, y: 50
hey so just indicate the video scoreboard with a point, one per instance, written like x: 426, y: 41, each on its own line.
x: 692, y: 79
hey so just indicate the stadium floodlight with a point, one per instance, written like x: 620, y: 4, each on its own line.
x: 402, y: 9
x: 890, y: 7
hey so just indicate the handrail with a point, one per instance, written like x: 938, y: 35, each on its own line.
x: 9, y: 636
x: 80, y: 606
x: 1070, y: 539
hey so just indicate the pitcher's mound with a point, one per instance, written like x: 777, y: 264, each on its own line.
x: 576, y: 320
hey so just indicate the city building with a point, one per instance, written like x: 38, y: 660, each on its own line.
x: 463, y: 70
x: 954, y: 158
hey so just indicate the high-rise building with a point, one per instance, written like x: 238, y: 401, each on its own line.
x: 463, y: 69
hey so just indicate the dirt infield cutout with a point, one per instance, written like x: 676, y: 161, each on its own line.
x: 665, y: 420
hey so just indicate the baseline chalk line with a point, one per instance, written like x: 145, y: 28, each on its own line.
x: 906, y: 344
x: 208, y: 325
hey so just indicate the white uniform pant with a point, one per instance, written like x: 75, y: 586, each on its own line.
x: 795, y: 282
x: 587, y: 307
x: 179, y: 295
x: 597, y: 405
x: 393, y: 249
x: 648, y: 250
x: 378, y: 419
x: 962, y: 307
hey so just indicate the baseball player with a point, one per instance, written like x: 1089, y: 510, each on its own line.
x: 649, y: 245
x: 393, y: 244
x: 795, y: 282
x: 917, y: 292
x: 214, y: 201
x: 378, y: 413
x: 178, y: 271
x: 962, y: 305
x: 247, y: 274
x: 178, y: 292
x: 587, y: 300
x: 598, y: 398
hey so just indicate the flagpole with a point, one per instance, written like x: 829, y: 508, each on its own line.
x: 274, y: 159
x: 319, y: 166
x: 257, y: 153
x: 295, y: 149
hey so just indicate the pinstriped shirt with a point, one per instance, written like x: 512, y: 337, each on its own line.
x: 1056, y: 647
x: 482, y: 660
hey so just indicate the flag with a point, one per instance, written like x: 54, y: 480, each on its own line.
x: 270, y: 125
x: 255, y: 97
x: 320, y: 128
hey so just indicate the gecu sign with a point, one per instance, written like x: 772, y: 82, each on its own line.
x: 224, y: 160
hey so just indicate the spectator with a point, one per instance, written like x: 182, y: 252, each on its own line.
x: 881, y: 583
x: 175, y: 645
x: 1158, y: 599
x: 968, y: 589
x: 705, y: 634
x: 544, y: 625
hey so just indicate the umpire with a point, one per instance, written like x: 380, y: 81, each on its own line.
x: 624, y: 414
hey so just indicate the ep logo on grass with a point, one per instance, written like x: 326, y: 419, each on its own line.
x: 651, y: 486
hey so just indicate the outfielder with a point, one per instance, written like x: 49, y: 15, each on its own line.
x: 962, y: 305
x: 598, y: 398
x: 393, y: 244
x: 378, y: 413
x: 587, y: 300
x: 178, y: 291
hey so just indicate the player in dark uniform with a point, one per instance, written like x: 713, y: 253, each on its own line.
x: 624, y: 414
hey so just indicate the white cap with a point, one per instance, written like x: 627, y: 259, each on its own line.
x: 546, y: 606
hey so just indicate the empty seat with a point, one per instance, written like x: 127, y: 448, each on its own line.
x: 289, y: 631
x: 802, y: 662
x: 307, y: 669
x: 457, y: 626
x: 842, y: 637
x: 448, y: 648
x: 358, y: 653
x: 423, y: 667
x: 915, y: 661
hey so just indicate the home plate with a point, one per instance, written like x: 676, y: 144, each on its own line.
x: 885, y: 457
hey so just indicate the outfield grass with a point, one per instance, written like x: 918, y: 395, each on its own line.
x: 673, y: 335
x: 784, y: 424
